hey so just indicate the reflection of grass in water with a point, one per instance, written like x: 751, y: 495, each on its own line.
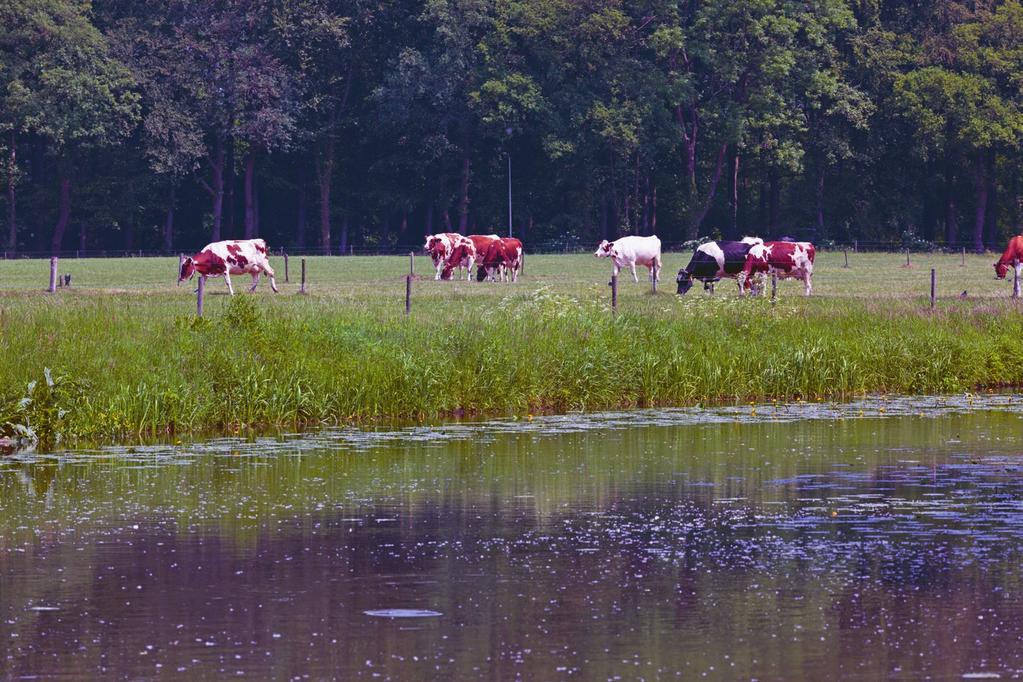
x: 237, y: 494
x: 346, y: 353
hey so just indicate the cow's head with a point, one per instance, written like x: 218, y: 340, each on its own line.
x: 685, y: 281
x: 481, y: 273
x: 1001, y: 269
x: 187, y: 270
x: 604, y: 250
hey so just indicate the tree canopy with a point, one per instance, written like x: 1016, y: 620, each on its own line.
x: 335, y: 125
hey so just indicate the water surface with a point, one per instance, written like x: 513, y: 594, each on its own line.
x: 875, y: 540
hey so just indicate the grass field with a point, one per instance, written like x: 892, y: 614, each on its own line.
x: 133, y: 361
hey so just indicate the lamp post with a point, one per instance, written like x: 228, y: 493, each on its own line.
x: 508, y: 154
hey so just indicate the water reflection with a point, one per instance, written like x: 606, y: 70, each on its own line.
x: 644, y: 545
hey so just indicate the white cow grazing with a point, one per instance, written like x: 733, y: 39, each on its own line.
x: 633, y: 251
x: 232, y: 257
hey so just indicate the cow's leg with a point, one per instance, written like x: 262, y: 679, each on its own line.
x: 270, y: 273
x: 808, y: 282
x: 635, y: 279
x: 440, y: 267
x: 657, y: 269
x: 255, y: 281
x: 227, y: 278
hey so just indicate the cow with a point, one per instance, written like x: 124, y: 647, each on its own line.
x: 440, y: 247
x: 1012, y: 258
x: 463, y: 254
x: 633, y: 251
x: 231, y: 257
x: 502, y: 260
x: 786, y: 260
x: 482, y: 243
x: 713, y: 261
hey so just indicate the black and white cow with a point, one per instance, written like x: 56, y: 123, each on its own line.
x: 714, y: 260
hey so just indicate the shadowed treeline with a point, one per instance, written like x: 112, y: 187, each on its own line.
x: 334, y: 126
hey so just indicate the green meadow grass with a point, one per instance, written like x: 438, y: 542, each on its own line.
x: 136, y: 363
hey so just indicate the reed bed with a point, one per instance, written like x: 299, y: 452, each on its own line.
x: 129, y: 360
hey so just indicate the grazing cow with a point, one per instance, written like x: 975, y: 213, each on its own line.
x: 501, y: 261
x: 713, y: 261
x: 231, y: 257
x: 463, y: 255
x: 786, y: 260
x: 1012, y: 258
x: 440, y: 247
x: 633, y: 251
x: 482, y: 242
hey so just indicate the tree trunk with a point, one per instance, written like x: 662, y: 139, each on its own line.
x: 820, y: 202
x: 250, y: 204
x: 710, y: 192
x: 324, y: 177
x: 300, y: 217
x: 951, y: 227
x: 735, y: 193
x: 216, y: 188
x: 12, y: 206
x: 653, y: 211
x: 403, y: 230
x: 129, y: 231
x: 343, y: 240
x: 168, y: 223
x: 447, y: 220
x: 773, y: 193
x: 463, y: 204
x: 65, y: 213
x: 994, y: 199
x: 604, y: 233
x: 229, y: 185
x: 982, y: 197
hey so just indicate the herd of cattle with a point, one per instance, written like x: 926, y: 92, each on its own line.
x: 496, y: 258
x: 746, y: 261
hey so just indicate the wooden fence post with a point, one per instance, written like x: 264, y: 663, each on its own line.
x: 181, y: 261
x: 846, y: 252
x: 653, y: 281
x: 302, y: 289
x: 962, y: 264
x: 856, y: 246
x: 408, y: 282
x: 907, y: 258
x: 614, y: 294
x: 933, y: 282
x: 1015, y: 281
x: 53, y: 274
x: 200, y: 295
x: 285, y: 267
x: 774, y: 288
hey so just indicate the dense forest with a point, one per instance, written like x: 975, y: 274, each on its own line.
x: 338, y: 126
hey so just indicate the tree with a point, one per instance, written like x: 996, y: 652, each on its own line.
x: 62, y: 84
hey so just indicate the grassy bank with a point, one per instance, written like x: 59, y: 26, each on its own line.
x: 129, y: 359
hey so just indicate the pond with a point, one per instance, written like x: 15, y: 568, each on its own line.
x: 876, y: 539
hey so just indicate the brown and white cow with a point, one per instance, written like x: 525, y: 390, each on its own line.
x: 1012, y: 258
x: 441, y: 247
x: 463, y: 255
x: 502, y: 260
x: 231, y: 257
x: 786, y: 260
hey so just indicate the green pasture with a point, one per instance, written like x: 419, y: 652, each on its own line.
x: 379, y: 280
x: 129, y: 360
